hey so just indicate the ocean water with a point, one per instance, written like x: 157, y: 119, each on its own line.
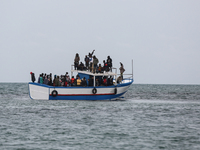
x: 150, y: 117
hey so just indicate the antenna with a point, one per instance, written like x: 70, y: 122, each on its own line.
x: 132, y: 68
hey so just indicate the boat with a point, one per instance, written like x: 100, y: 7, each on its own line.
x: 116, y: 91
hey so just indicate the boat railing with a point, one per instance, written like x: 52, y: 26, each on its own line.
x: 126, y: 77
x: 113, y: 69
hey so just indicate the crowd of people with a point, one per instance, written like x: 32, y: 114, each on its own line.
x: 91, y: 64
x: 65, y: 80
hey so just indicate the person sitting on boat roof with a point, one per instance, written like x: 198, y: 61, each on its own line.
x: 105, y: 66
x: 95, y: 62
x: 121, y: 70
x: 84, y: 82
x: 81, y: 67
x: 109, y: 62
x: 99, y: 69
x: 32, y: 77
x: 76, y: 61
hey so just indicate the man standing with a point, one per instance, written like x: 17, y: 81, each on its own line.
x: 32, y: 77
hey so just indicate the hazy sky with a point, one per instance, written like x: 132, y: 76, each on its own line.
x: 43, y: 36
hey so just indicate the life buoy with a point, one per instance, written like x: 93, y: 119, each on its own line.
x: 94, y: 90
x: 115, y: 91
x: 54, y: 93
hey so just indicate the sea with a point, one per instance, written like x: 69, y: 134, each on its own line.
x: 150, y: 117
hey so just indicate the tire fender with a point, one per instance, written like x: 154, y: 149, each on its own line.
x: 54, y: 93
x: 94, y: 90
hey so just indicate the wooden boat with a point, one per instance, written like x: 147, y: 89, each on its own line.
x: 39, y: 91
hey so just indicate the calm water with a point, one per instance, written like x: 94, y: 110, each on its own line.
x: 150, y: 117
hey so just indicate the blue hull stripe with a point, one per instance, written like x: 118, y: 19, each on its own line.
x: 89, y: 97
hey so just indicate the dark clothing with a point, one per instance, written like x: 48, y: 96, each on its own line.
x: 57, y: 82
x: 91, y: 82
x: 84, y: 83
x: 87, y: 62
x: 39, y: 79
x: 46, y: 81
x: 108, y: 81
x: 109, y: 62
x: 33, y: 77
x: 50, y: 82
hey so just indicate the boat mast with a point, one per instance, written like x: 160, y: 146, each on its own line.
x: 132, y: 68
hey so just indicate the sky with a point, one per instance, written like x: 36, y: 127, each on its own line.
x: 162, y: 37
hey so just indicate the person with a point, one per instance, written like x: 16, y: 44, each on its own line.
x: 104, y: 81
x: 72, y: 81
x: 97, y: 82
x: 91, y: 60
x: 109, y: 62
x: 44, y: 75
x: 91, y: 81
x: 121, y: 70
x: 119, y: 79
x: 78, y: 81
x: 90, y: 54
x: 54, y: 80
x: 32, y: 77
x: 62, y: 79
x: 57, y: 81
x: 41, y: 79
x: 66, y: 74
x: 76, y: 61
x: 108, y: 81
x: 81, y: 67
x: 68, y: 80
x: 87, y: 61
x: 46, y: 80
x: 99, y: 69
x: 84, y: 82
x: 49, y: 81
x: 111, y: 80
x: 95, y: 62
x: 105, y: 66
